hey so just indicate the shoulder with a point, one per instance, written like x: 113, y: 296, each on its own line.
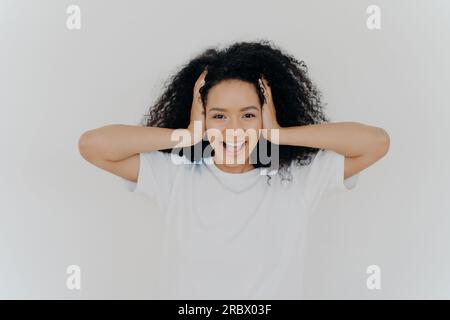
x: 316, y: 164
x: 165, y: 163
x: 166, y: 157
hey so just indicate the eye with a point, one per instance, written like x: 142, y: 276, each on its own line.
x: 217, y: 116
x: 249, y: 115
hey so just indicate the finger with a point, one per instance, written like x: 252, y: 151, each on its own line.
x: 266, y: 86
x: 203, y: 76
x: 201, y: 79
x: 264, y: 90
x: 261, y: 84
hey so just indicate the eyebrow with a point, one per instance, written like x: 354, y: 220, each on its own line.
x: 243, y: 109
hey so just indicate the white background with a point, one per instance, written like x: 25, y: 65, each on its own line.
x: 56, y: 209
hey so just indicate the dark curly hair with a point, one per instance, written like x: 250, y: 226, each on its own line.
x: 296, y: 99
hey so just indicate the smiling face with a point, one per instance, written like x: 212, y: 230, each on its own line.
x: 233, y: 119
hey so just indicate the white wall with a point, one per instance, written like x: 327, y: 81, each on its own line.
x: 57, y: 210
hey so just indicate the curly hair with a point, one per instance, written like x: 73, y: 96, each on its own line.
x: 296, y: 98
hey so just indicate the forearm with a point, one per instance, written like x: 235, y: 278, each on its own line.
x: 117, y: 142
x: 350, y: 139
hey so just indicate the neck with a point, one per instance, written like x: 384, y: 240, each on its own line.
x: 240, y: 168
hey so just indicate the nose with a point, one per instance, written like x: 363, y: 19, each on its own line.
x: 234, y: 134
x: 235, y: 131
x: 237, y: 123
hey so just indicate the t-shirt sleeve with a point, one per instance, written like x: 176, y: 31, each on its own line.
x: 323, y: 177
x: 157, y: 172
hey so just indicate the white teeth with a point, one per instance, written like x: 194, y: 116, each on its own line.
x: 231, y: 147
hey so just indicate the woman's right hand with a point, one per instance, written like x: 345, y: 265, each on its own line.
x: 197, y: 111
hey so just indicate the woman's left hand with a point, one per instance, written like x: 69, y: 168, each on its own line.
x: 269, y: 119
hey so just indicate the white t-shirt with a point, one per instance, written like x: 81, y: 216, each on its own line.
x: 232, y: 235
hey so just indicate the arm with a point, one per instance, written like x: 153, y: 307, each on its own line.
x: 362, y: 145
x: 115, y: 148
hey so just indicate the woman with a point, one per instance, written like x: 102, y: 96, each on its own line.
x: 233, y: 228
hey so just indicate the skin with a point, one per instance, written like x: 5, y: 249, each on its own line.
x: 115, y: 148
x: 360, y: 144
x: 233, y: 105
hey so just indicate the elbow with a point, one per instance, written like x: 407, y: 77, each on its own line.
x: 86, y: 144
x: 383, y: 142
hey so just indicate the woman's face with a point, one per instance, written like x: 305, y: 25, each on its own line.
x: 233, y: 119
